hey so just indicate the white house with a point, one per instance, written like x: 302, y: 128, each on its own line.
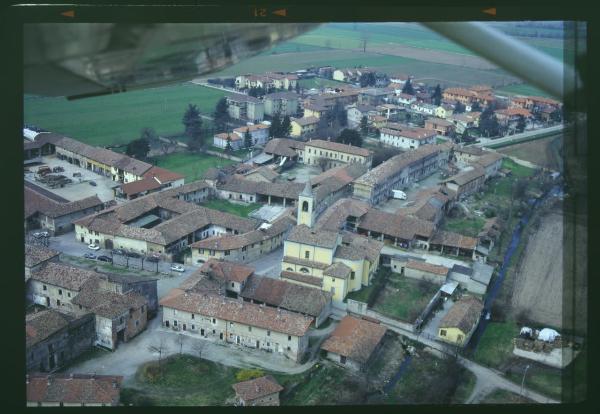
x: 408, y: 138
x: 423, y: 108
x: 258, y: 132
x: 406, y: 99
x: 220, y: 140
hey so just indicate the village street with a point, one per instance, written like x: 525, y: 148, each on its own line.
x: 129, y: 356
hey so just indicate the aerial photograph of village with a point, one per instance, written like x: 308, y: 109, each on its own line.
x: 347, y: 214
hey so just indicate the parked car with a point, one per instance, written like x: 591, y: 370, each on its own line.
x: 105, y: 259
x: 40, y: 234
x: 76, y: 174
x: 89, y: 256
x: 93, y: 183
x: 177, y: 268
x: 152, y: 259
x: 133, y: 254
x: 58, y: 169
x: 119, y: 251
x: 94, y: 247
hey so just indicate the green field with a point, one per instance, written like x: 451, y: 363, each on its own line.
x: 118, y: 119
x: 404, y: 298
x: 467, y: 226
x: 241, y: 210
x: 318, y: 83
x: 192, y: 166
x: 523, y: 89
x: 499, y: 396
x: 496, y: 344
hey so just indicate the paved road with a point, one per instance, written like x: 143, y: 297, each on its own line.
x: 518, y: 137
x: 269, y: 264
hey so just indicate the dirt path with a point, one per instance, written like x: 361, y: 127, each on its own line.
x: 538, y: 287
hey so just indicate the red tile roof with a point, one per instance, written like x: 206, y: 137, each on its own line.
x: 228, y: 271
x: 75, y: 389
x: 355, y: 338
x: 257, y: 388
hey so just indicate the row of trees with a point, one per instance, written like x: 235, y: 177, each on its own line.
x: 280, y: 127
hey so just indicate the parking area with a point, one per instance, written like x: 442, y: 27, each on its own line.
x: 168, y: 279
x: 393, y: 205
x: 80, y: 187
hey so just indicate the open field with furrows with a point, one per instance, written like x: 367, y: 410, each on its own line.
x: 118, y: 119
x: 538, y: 287
x: 522, y: 89
x: 543, y: 152
x: 499, y: 396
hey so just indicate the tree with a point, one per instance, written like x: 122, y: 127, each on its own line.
x: 350, y: 136
x: 322, y: 163
x: 228, y: 147
x: 488, y: 123
x: 367, y: 79
x: 465, y: 137
x: 221, y: 115
x: 192, y: 122
x: 149, y: 134
x: 138, y: 148
x: 382, y: 154
x: 275, y: 128
x: 247, y: 138
x: 179, y: 340
x: 286, y: 126
x: 298, y: 87
x: 459, y: 108
x: 556, y: 115
x: 159, y: 348
x: 437, y: 95
x: 339, y: 114
x: 476, y: 107
x: 408, y: 88
x: 521, y: 124
x: 364, y: 125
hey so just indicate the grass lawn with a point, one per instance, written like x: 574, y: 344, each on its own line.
x: 241, y: 210
x: 238, y: 153
x: 186, y: 380
x: 107, y: 267
x: 467, y: 226
x: 192, y: 166
x: 431, y: 380
x: 499, y: 396
x: 496, y: 344
x: 119, y: 118
x: 518, y: 170
x: 404, y: 298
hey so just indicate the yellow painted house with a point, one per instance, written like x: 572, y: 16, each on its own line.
x: 334, y: 262
x: 461, y: 321
x: 304, y: 126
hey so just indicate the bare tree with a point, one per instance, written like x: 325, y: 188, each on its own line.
x: 179, y: 340
x: 158, y: 347
x: 199, y: 346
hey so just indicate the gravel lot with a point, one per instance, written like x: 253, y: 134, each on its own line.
x: 538, y: 288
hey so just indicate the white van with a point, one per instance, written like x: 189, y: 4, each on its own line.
x: 400, y: 195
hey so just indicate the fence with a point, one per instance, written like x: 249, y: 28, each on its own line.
x: 361, y: 308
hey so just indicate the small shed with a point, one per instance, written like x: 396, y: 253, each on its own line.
x: 263, y: 391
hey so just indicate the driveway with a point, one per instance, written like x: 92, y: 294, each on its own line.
x: 269, y: 264
x: 129, y: 356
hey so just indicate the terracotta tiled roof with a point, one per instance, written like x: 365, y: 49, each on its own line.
x: 35, y: 255
x: 40, y: 325
x: 338, y: 269
x: 465, y: 177
x: 419, y: 134
x: 304, y: 262
x: 299, y: 277
x: 62, y: 275
x: 287, y: 295
x: 463, y: 315
x: 74, y: 389
x: 451, y: 239
x: 355, y: 338
x: 37, y: 202
x: 307, y: 120
x: 427, y: 267
x: 489, y: 159
x: 335, y: 216
x: 438, y: 122
x: 395, y: 225
x: 306, y: 235
x: 257, y: 388
x: 228, y: 271
x: 241, y: 312
x: 336, y: 146
x: 283, y: 147
x: 107, y: 304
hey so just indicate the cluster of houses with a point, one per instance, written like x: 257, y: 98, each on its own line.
x: 380, y: 104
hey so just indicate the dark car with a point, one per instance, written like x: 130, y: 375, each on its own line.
x: 93, y: 183
x: 89, y: 256
x: 105, y: 259
x: 152, y: 259
x: 134, y: 255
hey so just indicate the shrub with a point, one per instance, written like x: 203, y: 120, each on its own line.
x: 151, y: 373
x: 489, y: 213
x: 248, y: 374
